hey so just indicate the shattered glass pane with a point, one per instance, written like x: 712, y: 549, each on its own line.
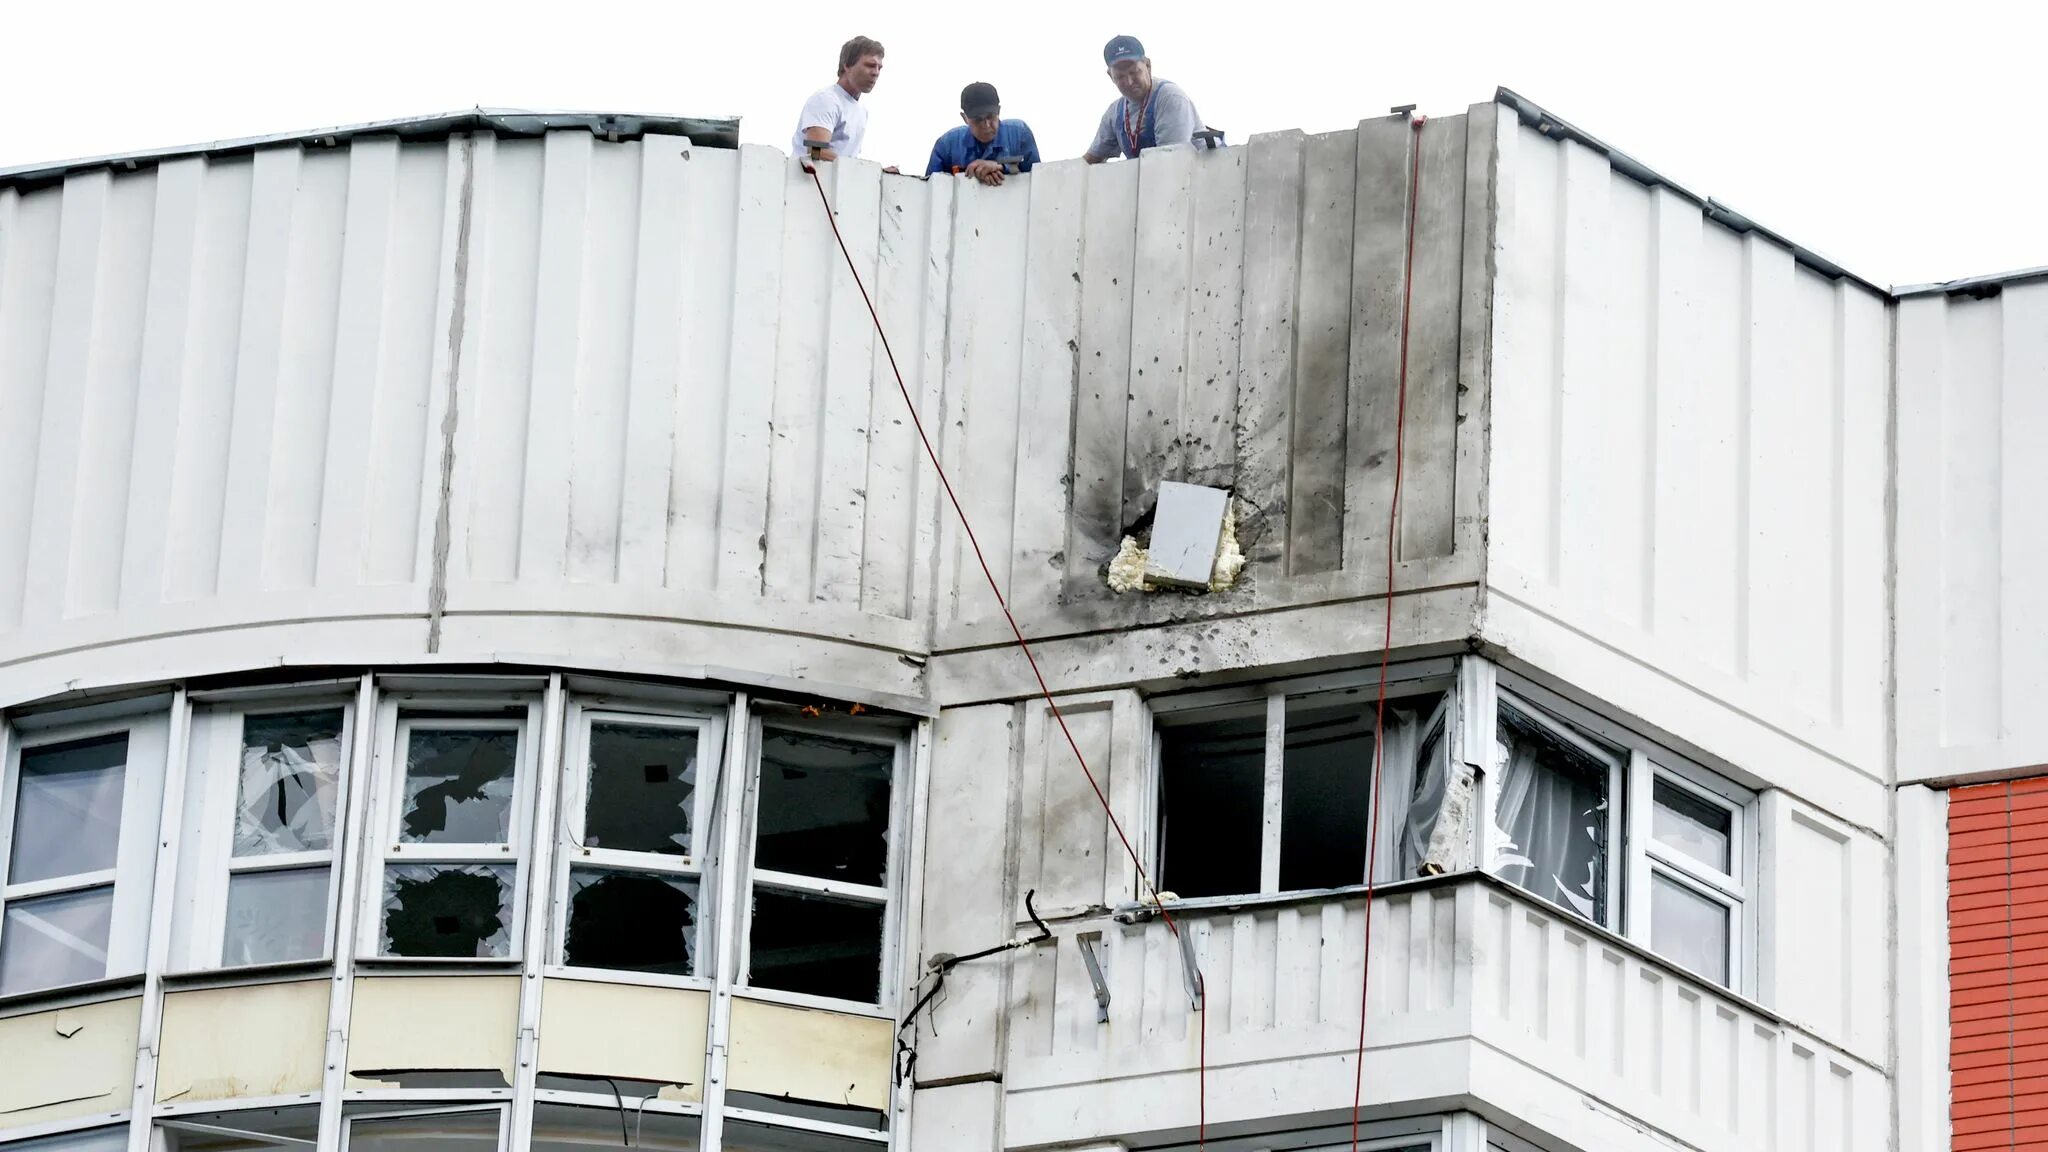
x: 1688, y: 929
x: 631, y: 921
x: 818, y: 945
x: 291, y: 764
x: 824, y: 807
x: 744, y: 1137
x: 1212, y: 778
x: 458, y: 786
x: 643, y: 783
x: 67, y: 813
x: 53, y: 940
x: 275, y: 917
x: 1325, y: 795
x: 1550, y: 816
x: 1425, y: 801
x: 1697, y: 827
x: 447, y: 910
x: 448, y: 1132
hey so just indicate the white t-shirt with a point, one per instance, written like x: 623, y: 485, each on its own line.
x: 838, y: 111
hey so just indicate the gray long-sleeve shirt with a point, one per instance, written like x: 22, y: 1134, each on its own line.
x: 1174, y: 121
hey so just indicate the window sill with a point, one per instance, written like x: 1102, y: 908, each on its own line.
x: 275, y: 973
x: 1138, y: 912
x: 634, y: 979
x: 456, y: 965
x: 70, y: 995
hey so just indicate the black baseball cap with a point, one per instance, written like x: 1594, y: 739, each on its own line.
x: 1122, y: 48
x: 979, y: 99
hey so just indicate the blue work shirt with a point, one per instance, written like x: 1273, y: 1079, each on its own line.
x: 959, y: 148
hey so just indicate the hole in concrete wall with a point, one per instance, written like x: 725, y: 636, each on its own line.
x: 1212, y: 782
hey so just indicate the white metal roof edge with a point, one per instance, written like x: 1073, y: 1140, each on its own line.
x: 1986, y: 285
x: 712, y: 132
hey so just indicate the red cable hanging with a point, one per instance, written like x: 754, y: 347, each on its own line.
x: 1387, y: 640
x: 1045, y: 692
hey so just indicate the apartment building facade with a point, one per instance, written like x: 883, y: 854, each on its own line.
x: 487, y: 660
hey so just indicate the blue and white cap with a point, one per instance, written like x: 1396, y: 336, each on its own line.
x: 1123, y: 48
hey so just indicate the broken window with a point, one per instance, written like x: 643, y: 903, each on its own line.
x: 424, y: 1130
x: 1563, y: 780
x: 1554, y: 802
x: 455, y: 851
x: 634, y: 864
x: 75, y: 876
x: 740, y: 1136
x: 1270, y: 791
x: 639, y: 1124
x: 245, y: 1130
x: 823, y: 816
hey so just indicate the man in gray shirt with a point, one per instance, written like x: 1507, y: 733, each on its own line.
x: 1148, y: 114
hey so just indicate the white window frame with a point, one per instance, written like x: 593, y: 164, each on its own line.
x: 397, y: 715
x: 1422, y: 678
x: 147, y: 725
x: 217, y: 731
x: 1640, y: 857
x: 709, y: 722
x: 1619, y: 797
x: 889, y: 895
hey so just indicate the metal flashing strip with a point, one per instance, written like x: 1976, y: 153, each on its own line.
x: 1557, y: 128
x: 708, y: 132
x: 1976, y: 287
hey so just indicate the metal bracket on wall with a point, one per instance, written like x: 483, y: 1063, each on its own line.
x: 1088, y: 943
x: 1190, y: 971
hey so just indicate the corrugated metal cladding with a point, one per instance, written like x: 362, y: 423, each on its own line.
x: 1973, y: 532
x: 1689, y: 450
x: 1998, y: 965
x: 633, y: 382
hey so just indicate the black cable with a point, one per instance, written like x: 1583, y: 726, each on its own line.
x: 941, y: 965
x: 625, y: 1138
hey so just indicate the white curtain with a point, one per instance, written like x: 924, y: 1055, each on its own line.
x: 1432, y: 777
x: 1549, y: 816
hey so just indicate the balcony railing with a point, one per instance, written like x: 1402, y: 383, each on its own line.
x: 1480, y: 994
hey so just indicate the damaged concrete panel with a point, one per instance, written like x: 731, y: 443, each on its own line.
x: 1066, y: 850
x: 1186, y: 534
x: 68, y: 1063
x: 475, y: 1025
x: 589, y: 1028
x: 810, y: 1054
x: 262, y: 1040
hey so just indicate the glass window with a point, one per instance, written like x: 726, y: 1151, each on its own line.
x: 739, y: 1136
x: 1688, y: 928
x: 67, y: 813
x: 1551, y: 816
x: 1693, y: 825
x: 276, y: 916
x: 566, y: 1128
x: 289, y: 790
x: 455, y: 857
x: 643, y: 788
x: 245, y: 1130
x: 46, y: 941
x: 816, y: 944
x: 458, y: 786
x: 449, y: 910
x: 109, y: 1139
x: 631, y: 877
x: 424, y: 1131
x: 824, y: 802
x: 824, y: 807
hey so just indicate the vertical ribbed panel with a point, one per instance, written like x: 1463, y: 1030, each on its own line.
x: 1973, y: 532
x: 1688, y: 444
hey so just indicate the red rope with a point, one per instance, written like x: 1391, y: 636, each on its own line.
x: 1045, y: 692
x: 1379, y: 717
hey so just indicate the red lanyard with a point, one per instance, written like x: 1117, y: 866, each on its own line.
x: 1135, y: 134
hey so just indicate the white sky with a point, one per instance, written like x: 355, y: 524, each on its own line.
x: 1905, y: 147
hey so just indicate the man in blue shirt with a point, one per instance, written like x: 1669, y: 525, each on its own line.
x: 985, y: 142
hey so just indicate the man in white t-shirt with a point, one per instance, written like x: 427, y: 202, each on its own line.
x: 833, y: 115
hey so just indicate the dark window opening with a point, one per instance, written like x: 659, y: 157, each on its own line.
x: 458, y: 786
x: 631, y: 921
x: 1550, y: 810
x: 816, y: 945
x: 447, y: 910
x: 1325, y: 796
x: 643, y: 784
x: 824, y: 807
x: 1212, y: 807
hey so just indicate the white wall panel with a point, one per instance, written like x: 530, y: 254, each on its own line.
x: 1972, y: 533
x: 1689, y: 471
